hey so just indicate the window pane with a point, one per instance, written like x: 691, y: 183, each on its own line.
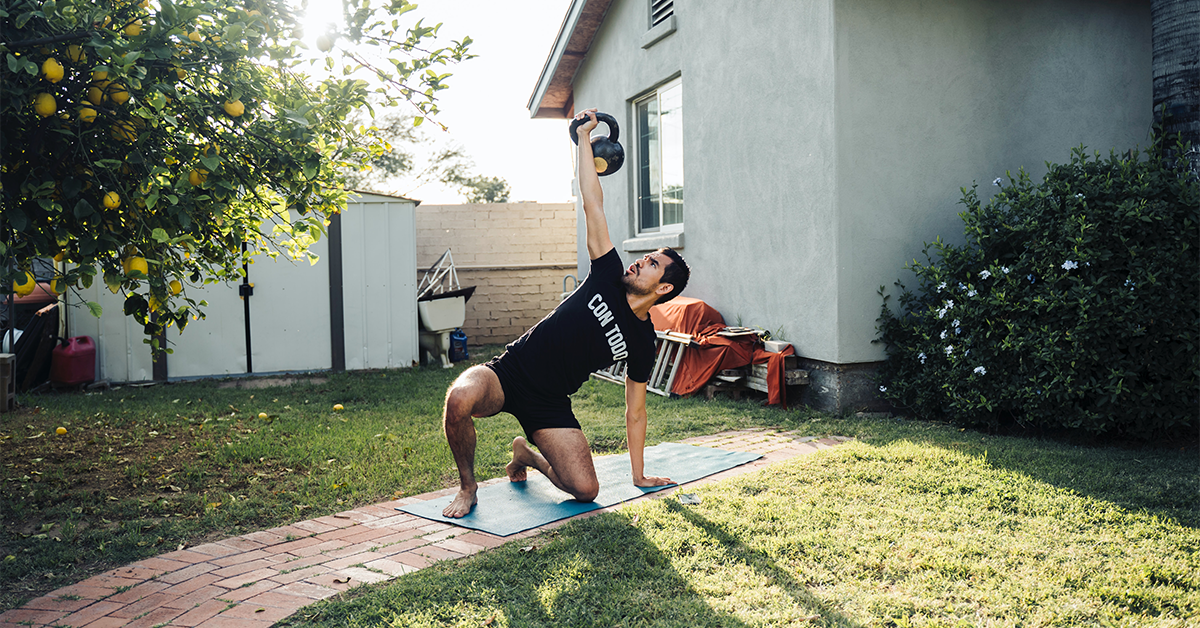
x: 648, y: 164
x: 671, y: 123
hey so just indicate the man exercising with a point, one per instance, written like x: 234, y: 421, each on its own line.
x: 606, y: 319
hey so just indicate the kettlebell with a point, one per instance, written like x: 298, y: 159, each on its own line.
x: 606, y: 151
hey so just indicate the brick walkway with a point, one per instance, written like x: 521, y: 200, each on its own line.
x: 257, y: 579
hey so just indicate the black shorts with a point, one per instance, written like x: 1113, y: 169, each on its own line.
x: 534, y: 409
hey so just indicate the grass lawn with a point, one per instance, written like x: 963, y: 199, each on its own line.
x: 914, y: 524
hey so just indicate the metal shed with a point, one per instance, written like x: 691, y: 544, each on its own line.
x: 355, y: 309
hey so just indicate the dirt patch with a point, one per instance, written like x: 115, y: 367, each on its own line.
x: 271, y: 382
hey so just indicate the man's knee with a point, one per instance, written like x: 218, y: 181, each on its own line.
x: 586, y: 492
x: 460, y: 401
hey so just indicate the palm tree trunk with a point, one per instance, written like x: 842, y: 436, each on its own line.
x: 1176, y: 71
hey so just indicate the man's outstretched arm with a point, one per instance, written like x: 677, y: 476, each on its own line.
x: 598, y: 240
x: 635, y: 433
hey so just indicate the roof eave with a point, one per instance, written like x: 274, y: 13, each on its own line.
x: 553, y: 96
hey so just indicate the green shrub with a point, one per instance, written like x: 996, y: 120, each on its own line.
x: 1075, y: 303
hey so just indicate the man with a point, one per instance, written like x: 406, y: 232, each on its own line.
x: 606, y: 319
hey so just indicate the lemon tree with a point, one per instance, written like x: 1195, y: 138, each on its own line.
x: 143, y: 142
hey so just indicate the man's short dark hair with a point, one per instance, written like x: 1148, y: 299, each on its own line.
x: 676, y: 273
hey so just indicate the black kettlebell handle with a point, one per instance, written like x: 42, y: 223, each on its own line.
x: 614, y: 132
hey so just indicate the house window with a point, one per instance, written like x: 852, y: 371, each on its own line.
x: 660, y: 159
x: 660, y: 10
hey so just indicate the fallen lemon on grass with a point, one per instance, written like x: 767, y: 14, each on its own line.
x: 60, y: 431
x: 44, y: 105
x: 337, y: 407
x: 262, y: 415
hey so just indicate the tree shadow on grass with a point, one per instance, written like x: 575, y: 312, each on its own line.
x: 598, y: 571
x: 1160, y: 481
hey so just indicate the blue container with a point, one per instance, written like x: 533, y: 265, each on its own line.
x: 458, y: 346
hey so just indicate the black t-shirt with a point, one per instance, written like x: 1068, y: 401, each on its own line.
x: 590, y: 330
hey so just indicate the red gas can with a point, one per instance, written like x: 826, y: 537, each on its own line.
x: 73, y: 362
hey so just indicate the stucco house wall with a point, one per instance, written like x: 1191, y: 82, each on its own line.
x: 826, y: 141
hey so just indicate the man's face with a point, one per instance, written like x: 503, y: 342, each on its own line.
x: 644, y: 275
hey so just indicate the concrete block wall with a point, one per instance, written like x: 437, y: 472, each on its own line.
x: 515, y: 254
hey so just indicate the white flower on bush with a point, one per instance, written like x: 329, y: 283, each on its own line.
x: 1069, y: 265
x: 979, y: 370
x: 949, y: 349
x: 1129, y: 282
x: 955, y: 323
x: 996, y: 181
x: 921, y: 356
x: 984, y: 274
x: 943, y: 336
x: 949, y: 304
x: 942, y: 313
x: 1080, y: 196
x: 941, y: 286
x: 1004, y: 269
x: 883, y: 389
x: 971, y: 294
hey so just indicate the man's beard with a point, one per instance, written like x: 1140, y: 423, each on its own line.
x: 632, y: 288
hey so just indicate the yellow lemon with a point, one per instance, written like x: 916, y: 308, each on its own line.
x: 210, y: 150
x: 25, y: 288
x: 194, y: 36
x: 170, y: 160
x: 337, y: 407
x: 52, y: 70
x: 175, y: 286
x: 60, y: 256
x: 87, y: 114
x: 262, y: 415
x: 58, y: 286
x: 234, y: 108
x: 324, y: 43
x: 133, y: 29
x: 124, y: 131
x: 99, y: 75
x: 45, y: 105
x: 196, y: 177
x: 112, y: 200
x: 60, y: 431
x: 180, y: 73
x: 75, y: 53
x: 135, y: 263
x: 118, y: 93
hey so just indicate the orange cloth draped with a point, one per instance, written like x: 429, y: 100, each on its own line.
x: 776, y: 388
x: 711, y: 353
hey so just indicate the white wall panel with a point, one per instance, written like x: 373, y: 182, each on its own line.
x: 215, y: 344
x: 289, y: 313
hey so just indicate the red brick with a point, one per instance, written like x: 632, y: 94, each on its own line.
x: 258, y: 613
x: 356, y: 515
x: 278, y: 599
x: 138, y: 592
x: 308, y: 590
x: 460, y: 546
x: 187, y: 574
x: 353, y: 559
x: 337, y: 522
x: 154, y: 618
x: 241, y: 543
x: 300, y: 574
x: 242, y: 557
x: 91, y: 613
x: 390, y: 567
x: 56, y: 602
x: 313, y: 527
x: 33, y: 617
x: 107, y: 622
x: 200, y: 614
x: 265, y: 537
x: 296, y: 544
x: 186, y: 556
x: 250, y: 590
x: 213, y: 549
x: 413, y: 560
x: 247, y: 578
x: 148, y: 603
x: 221, y: 621
x: 332, y: 580
x: 85, y: 591
x: 483, y: 538
x: 198, y: 596
x: 437, y: 553
x: 241, y: 568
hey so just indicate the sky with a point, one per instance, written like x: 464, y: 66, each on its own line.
x: 485, y: 106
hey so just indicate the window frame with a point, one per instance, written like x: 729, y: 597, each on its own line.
x: 640, y: 152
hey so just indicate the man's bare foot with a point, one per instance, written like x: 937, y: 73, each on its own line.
x: 463, y: 502
x: 522, y: 458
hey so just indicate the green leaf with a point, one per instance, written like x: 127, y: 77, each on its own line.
x: 159, y: 234
x: 83, y: 209
x: 17, y: 219
x: 95, y: 308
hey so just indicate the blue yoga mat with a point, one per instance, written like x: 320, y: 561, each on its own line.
x: 507, y: 508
